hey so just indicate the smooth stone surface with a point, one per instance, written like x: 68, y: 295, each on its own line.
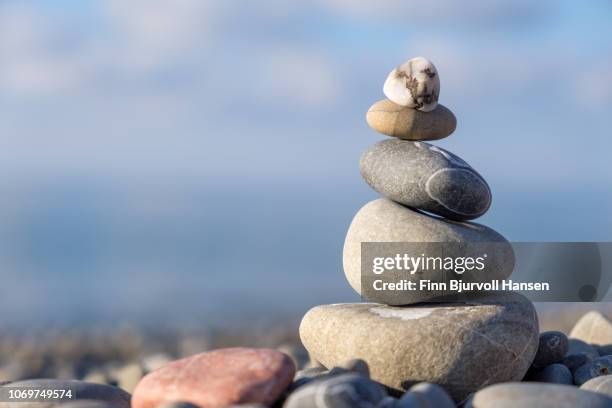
x: 575, y: 346
x: 218, y: 378
x: 601, y: 385
x: 425, y: 395
x: 596, y: 368
x: 531, y: 395
x: 415, y: 84
x: 425, y: 177
x: 575, y: 361
x: 605, y: 350
x: 383, y: 220
x: 461, y: 347
x: 553, y: 346
x: 554, y: 373
x: 346, y: 390
x: 81, y: 390
x: 593, y: 328
x: 391, y: 119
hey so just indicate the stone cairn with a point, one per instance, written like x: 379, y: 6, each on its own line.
x: 470, y: 353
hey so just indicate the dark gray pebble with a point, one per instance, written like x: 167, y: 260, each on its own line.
x: 341, y: 391
x: 554, y: 373
x: 552, y: 348
x: 596, y: 368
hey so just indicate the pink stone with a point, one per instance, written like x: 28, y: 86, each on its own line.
x: 218, y: 378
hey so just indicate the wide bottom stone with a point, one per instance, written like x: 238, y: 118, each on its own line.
x: 461, y: 346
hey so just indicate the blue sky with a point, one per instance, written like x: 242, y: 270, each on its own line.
x: 142, y: 139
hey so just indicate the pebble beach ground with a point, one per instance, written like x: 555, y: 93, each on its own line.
x: 122, y: 356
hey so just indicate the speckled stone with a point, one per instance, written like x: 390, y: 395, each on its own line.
x: 390, y: 119
x: 554, y: 373
x: 425, y: 395
x: 462, y: 347
x: 383, y: 220
x: 346, y: 390
x: 532, y: 395
x: 415, y: 84
x: 218, y: 378
x: 81, y: 390
x: 552, y: 348
x: 601, y: 385
x: 596, y: 368
x: 593, y: 328
x: 425, y: 177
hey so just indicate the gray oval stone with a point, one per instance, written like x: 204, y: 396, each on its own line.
x: 425, y: 395
x: 554, y: 373
x: 602, y: 385
x: 346, y: 390
x: 552, y: 348
x: 531, y: 395
x: 405, y: 123
x: 383, y: 220
x: 460, y: 346
x: 81, y: 390
x: 427, y: 178
x: 596, y: 368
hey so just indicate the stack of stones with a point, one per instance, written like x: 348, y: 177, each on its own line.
x: 429, y: 195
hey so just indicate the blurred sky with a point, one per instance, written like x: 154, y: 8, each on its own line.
x: 198, y: 159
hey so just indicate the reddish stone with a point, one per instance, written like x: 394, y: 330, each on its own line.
x: 218, y: 378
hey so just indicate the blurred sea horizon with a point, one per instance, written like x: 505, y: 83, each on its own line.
x: 198, y: 160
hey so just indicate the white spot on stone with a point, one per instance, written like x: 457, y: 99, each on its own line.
x: 403, y: 314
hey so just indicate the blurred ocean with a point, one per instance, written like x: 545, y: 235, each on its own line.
x: 174, y: 162
x: 84, y: 252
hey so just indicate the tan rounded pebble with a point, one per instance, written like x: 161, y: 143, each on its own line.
x: 593, y: 328
x: 391, y: 119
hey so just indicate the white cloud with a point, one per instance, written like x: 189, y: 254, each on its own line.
x: 432, y: 11
x: 299, y: 76
x: 593, y: 85
x: 29, y: 61
x: 147, y: 33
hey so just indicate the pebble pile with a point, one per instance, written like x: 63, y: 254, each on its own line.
x: 483, y: 352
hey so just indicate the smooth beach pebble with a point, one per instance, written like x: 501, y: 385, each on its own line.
x: 596, y: 368
x: 425, y: 395
x: 575, y: 346
x: 383, y: 220
x: 218, y: 378
x: 391, y: 119
x: 532, y: 395
x: 453, y: 345
x: 81, y: 390
x: 552, y: 348
x: 415, y: 84
x: 602, y: 385
x: 425, y: 177
x: 554, y: 373
x: 593, y: 328
x: 346, y: 390
x: 576, y: 360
